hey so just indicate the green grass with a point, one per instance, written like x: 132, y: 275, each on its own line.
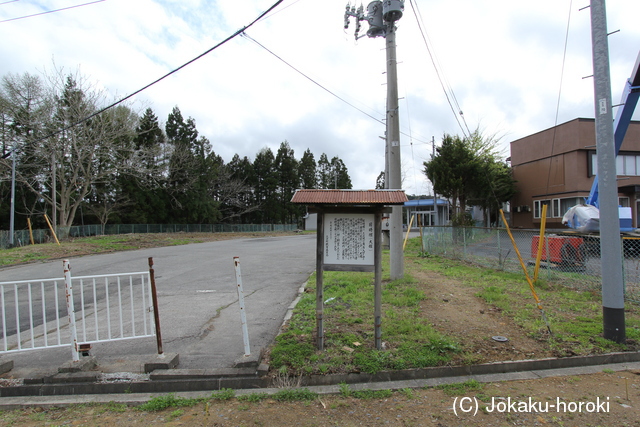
x: 167, y: 401
x: 346, y: 391
x: 294, y: 394
x: 349, y: 330
x: 460, y: 389
x: 575, y: 317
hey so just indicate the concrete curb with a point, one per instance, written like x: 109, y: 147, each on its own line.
x: 136, y: 398
x: 166, y: 381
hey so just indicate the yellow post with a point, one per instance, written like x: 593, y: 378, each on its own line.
x: 51, y: 228
x: 408, y: 230
x: 543, y: 224
x: 526, y: 273
x: 30, y: 231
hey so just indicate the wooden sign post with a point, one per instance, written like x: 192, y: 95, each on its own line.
x: 349, y: 231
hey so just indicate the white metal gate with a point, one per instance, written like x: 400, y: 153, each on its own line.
x: 99, y: 308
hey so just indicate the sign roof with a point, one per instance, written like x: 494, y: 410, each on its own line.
x: 349, y: 197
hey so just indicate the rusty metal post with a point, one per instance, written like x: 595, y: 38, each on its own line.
x: 71, y: 313
x: 377, y: 298
x: 243, y: 314
x: 154, y: 298
x: 319, y: 280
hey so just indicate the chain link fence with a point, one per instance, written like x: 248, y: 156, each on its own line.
x: 571, y: 260
x: 22, y: 238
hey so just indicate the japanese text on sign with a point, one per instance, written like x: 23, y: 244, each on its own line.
x: 349, y: 239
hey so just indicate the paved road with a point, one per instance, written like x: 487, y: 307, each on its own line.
x: 199, y: 312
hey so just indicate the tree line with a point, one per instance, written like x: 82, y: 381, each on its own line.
x: 80, y: 162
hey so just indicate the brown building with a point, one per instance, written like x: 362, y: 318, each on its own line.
x: 555, y: 167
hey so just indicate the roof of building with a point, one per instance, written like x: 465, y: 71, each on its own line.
x: 350, y: 197
x: 425, y: 202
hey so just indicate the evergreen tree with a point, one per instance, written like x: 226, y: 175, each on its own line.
x: 325, y: 178
x: 266, y: 186
x: 193, y: 168
x: 147, y: 194
x: 288, y: 181
x: 340, y: 174
x: 307, y: 170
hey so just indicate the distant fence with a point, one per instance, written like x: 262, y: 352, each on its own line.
x: 573, y: 261
x: 21, y: 237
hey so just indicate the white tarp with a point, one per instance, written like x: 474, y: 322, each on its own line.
x: 584, y: 218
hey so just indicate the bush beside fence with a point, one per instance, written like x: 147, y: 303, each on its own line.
x: 576, y: 264
x: 21, y: 237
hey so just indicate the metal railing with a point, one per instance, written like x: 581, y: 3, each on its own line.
x: 572, y: 261
x: 98, y: 308
x: 22, y: 237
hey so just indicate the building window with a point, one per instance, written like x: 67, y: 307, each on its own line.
x: 626, y: 165
x: 537, y: 208
x: 555, y: 207
x: 568, y: 203
x: 624, y: 202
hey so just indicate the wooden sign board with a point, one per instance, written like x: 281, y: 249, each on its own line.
x: 349, y: 241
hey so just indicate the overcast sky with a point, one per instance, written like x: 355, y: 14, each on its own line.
x: 500, y: 60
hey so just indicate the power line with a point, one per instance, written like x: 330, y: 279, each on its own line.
x: 245, y: 35
x: 434, y: 61
x: 564, y: 58
x: 49, y: 11
x: 10, y: 1
x: 232, y: 36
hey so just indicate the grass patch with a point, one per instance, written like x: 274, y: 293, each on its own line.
x: 575, y: 315
x: 346, y: 391
x: 76, y: 246
x: 294, y: 394
x: 410, y: 340
x: 167, y: 401
x: 460, y: 389
x: 224, y: 394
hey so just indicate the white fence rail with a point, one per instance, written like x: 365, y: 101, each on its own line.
x: 98, y: 308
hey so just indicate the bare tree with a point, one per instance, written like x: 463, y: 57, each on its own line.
x: 70, y: 150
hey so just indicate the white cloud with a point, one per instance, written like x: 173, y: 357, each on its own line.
x: 503, y: 60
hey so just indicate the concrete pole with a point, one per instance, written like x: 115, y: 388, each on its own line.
x: 13, y: 197
x: 611, y: 248
x: 393, y: 148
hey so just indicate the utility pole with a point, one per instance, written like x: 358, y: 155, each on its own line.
x: 13, y: 197
x: 381, y: 17
x: 611, y: 250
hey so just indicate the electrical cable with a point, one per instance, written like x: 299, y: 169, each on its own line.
x: 555, y: 126
x: 49, y: 11
x: 10, y: 1
x: 248, y: 37
x: 232, y: 36
x: 434, y: 61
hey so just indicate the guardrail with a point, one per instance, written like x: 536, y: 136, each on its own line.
x: 99, y: 308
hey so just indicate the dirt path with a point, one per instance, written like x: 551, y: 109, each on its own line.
x: 455, y: 310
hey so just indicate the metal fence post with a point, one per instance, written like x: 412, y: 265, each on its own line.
x: 156, y: 313
x: 75, y: 355
x: 501, y: 262
x: 464, y: 242
x: 243, y: 314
